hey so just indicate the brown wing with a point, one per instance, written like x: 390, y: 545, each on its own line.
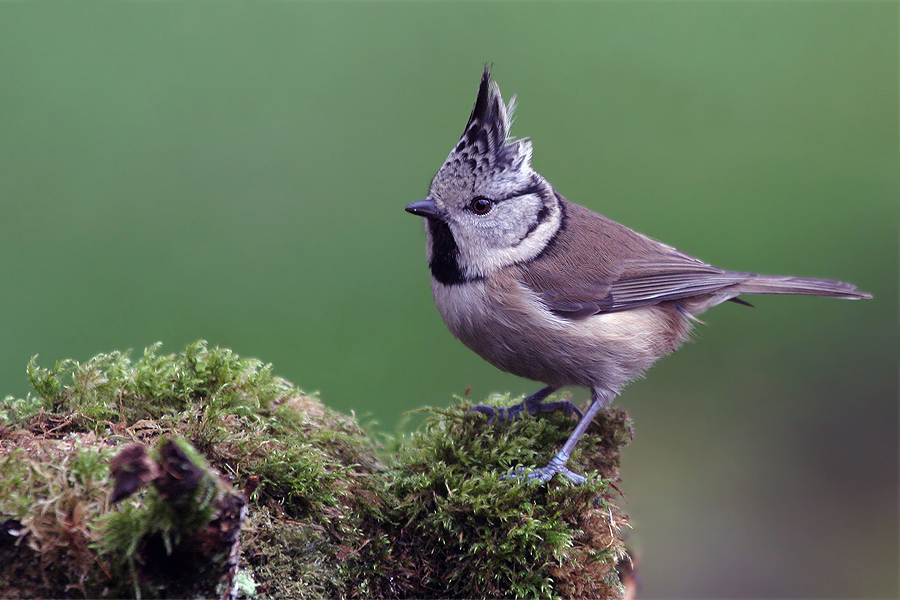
x: 595, y: 265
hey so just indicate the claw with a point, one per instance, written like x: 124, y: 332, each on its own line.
x: 545, y: 474
x: 568, y: 408
x: 534, y: 404
x: 489, y: 411
x: 503, y: 413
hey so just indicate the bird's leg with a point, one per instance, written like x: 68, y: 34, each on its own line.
x: 600, y: 398
x: 534, y: 404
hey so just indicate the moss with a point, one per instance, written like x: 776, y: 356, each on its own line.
x: 462, y: 528
x: 325, y: 517
x: 153, y: 541
x: 54, y: 489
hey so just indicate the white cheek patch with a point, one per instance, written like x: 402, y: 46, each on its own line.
x: 531, y: 245
x: 518, y: 217
x: 493, y: 248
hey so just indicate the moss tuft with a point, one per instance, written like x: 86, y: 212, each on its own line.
x: 462, y: 529
x: 324, y: 517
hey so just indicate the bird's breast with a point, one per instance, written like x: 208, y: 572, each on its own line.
x: 508, y: 325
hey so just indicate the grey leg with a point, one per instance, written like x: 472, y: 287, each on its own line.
x: 601, y: 398
x: 534, y: 404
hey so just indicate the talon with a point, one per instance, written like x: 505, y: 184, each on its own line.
x: 568, y: 408
x: 517, y: 474
x: 488, y: 411
x: 545, y: 474
x: 572, y: 476
x: 502, y: 413
x: 541, y: 475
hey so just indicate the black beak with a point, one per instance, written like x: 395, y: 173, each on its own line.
x: 423, y: 208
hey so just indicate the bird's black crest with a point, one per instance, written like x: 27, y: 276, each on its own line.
x: 480, y: 110
x: 487, y: 132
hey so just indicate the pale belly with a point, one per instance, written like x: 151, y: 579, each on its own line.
x: 511, y: 328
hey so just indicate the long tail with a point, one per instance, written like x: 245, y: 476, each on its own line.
x: 769, y: 284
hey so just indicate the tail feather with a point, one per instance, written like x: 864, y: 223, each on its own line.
x: 769, y: 284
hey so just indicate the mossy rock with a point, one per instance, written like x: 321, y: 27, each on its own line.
x: 230, y: 482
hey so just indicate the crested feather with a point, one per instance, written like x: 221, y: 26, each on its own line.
x: 489, y: 114
x: 489, y: 125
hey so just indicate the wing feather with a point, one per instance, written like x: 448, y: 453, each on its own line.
x: 596, y: 265
x: 642, y: 283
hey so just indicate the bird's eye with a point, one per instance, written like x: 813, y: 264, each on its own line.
x: 481, y: 205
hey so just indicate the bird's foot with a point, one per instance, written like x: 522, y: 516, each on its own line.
x: 567, y: 407
x: 504, y: 413
x: 534, y: 404
x: 558, y: 464
x: 545, y: 474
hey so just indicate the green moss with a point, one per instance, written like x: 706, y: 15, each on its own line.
x: 291, y: 559
x: 53, y: 492
x: 464, y: 530
x: 326, y: 517
x: 182, y: 524
x: 155, y: 514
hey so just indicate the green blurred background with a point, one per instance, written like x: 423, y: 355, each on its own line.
x: 237, y: 172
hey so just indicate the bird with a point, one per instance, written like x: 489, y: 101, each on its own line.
x: 548, y: 290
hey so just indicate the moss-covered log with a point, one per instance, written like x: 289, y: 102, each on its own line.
x: 201, y: 474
